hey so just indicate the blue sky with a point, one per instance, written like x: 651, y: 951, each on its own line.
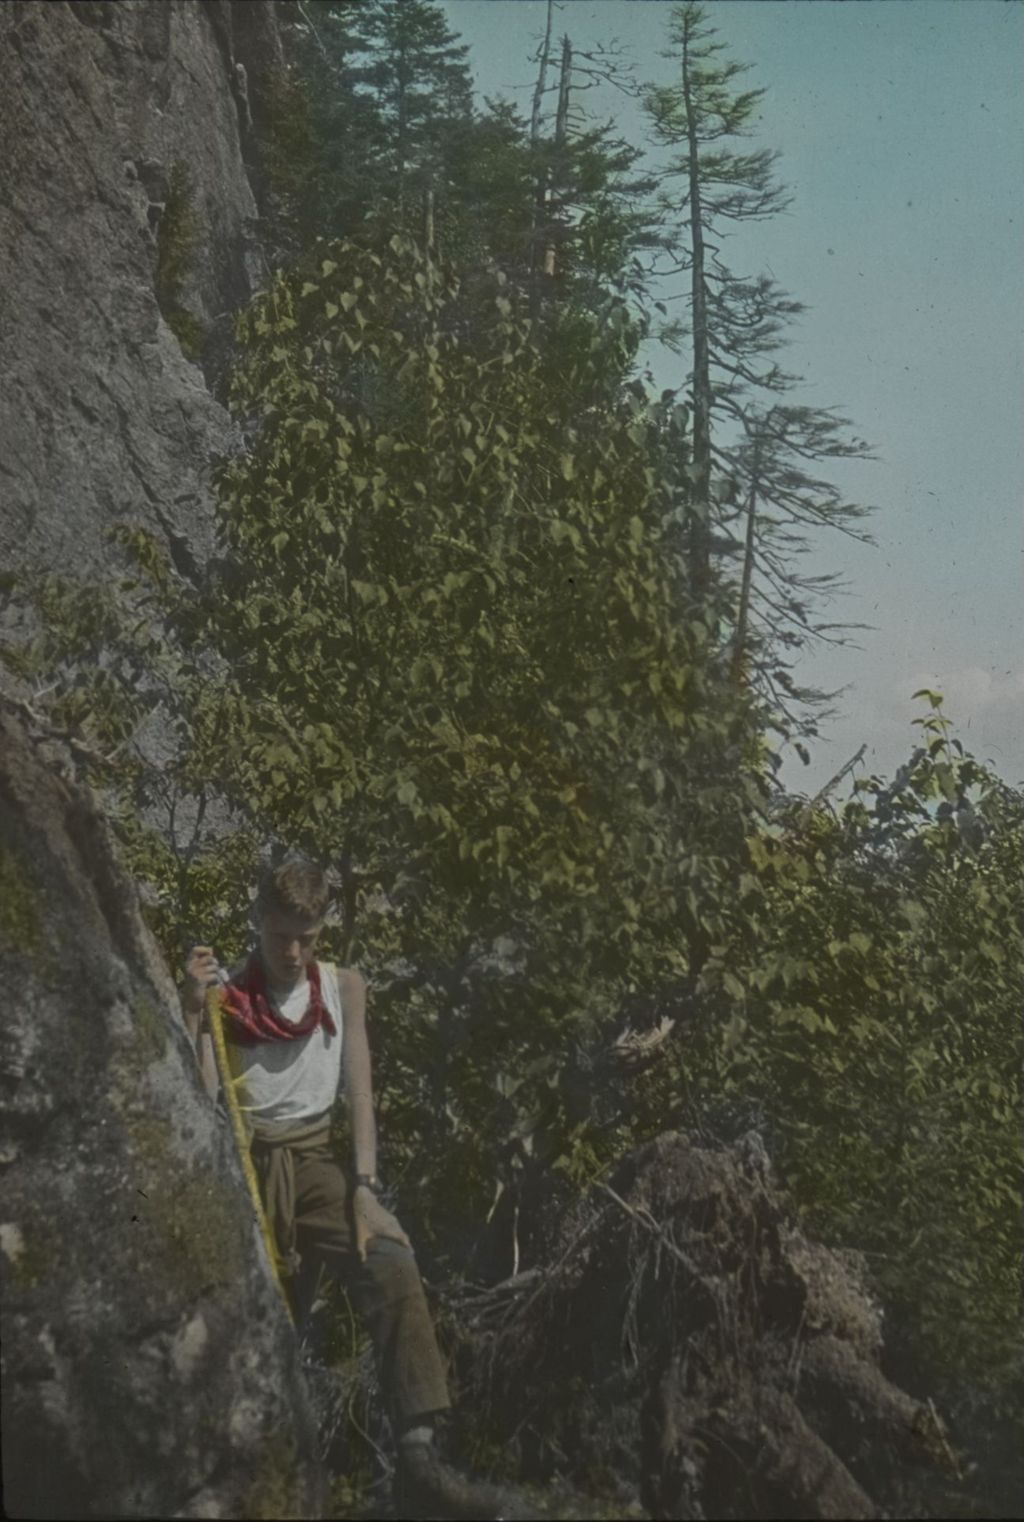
x: 900, y: 125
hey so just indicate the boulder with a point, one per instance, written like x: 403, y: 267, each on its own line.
x: 149, y: 1367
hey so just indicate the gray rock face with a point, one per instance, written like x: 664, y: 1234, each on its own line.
x: 102, y: 416
x: 149, y: 1368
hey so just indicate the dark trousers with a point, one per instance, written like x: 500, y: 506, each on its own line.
x: 386, y: 1289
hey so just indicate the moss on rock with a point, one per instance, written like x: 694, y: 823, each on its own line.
x: 21, y: 920
x: 177, y: 237
x: 149, y: 1035
x: 38, y: 1254
x: 276, y: 1490
x: 194, y: 1212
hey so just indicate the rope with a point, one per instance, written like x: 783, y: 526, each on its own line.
x: 215, y: 1017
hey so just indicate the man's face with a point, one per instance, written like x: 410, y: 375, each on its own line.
x: 287, y: 945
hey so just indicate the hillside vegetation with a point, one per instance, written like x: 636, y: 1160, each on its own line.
x: 508, y: 641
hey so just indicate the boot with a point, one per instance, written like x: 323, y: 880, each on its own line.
x: 427, y: 1487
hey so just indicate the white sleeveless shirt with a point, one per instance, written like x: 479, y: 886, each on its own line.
x: 292, y: 1081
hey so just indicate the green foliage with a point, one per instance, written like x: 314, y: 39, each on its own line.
x: 178, y: 232
x: 451, y: 646
x: 876, y: 986
x: 290, y: 157
x: 377, y: 112
x: 458, y: 669
x: 450, y: 653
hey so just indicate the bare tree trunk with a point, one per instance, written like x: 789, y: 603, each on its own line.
x: 700, y: 525
x: 833, y: 782
x: 542, y: 74
x: 402, y: 134
x: 541, y: 188
x: 561, y: 137
x: 428, y: 221
x: 739, y: 654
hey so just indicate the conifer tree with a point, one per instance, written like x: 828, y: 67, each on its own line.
x: 720, y: 184
x: 743, y: 424
x: 784, y: 499
x: 593, y: 202
x: 380, y: 101
x: 389, y: 94
x: 414, y: 69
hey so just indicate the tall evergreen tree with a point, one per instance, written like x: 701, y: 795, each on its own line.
x: 378, y: 119
x: 784, y: 499
x: 413, y: 68
x: 594, y: 211
x: 743, y: 422
x: 389, y: 94
x: 720, y: 184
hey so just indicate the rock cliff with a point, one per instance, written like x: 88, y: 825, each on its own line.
x: 117, y: 121
x: 149, y: 1368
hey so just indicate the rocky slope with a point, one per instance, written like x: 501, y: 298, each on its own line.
x: 104, y: 108
x: 149, y: 1368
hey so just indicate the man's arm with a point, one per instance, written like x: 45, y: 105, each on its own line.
x: 356, y: 1065
x: 208, y: 1065
x: 369, y: 1215
x: 200, y: 973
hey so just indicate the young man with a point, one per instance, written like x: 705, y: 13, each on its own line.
x: 296, y: 1035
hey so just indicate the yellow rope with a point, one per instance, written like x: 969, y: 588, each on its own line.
x: 228, y: 1083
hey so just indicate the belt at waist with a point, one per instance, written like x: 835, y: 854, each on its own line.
x: 274, y: 1145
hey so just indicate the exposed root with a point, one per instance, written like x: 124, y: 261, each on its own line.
x: 686, y: 1339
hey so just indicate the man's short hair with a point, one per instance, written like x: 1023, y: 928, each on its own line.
x: 296, y: 887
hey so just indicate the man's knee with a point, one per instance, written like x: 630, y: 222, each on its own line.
x: 392, y: 1268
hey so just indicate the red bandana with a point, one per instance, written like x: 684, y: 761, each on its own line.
x: 253, y: 1018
